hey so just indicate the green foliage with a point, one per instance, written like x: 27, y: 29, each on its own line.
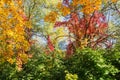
x: 70, y: 76
x: 41, y: 67
x: 113, y: 56
x: 91, y: 64
x: 85, y: 64
x: 7, y: 71
x: 45, y: 67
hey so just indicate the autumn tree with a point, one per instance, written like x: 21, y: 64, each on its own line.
x: 86, y: 22
x: 14, y: 33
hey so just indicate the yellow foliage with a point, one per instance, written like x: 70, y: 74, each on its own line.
x: 51, y: 17
x: 52, y: 2
x: 89, y: 6
x: 59, y: 5
x: 76, y: 2
x: 113, y: 1
x: 65, y: 10
x: 11, y: 61
x: 13, y: 26
x: 23, y: 57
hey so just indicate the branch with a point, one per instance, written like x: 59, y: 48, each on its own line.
x: 116, y: 8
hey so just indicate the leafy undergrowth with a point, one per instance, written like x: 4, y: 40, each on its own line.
x: 85, y: 64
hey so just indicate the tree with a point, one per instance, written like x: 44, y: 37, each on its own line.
x: 14, y: 33
x: 84, y: 20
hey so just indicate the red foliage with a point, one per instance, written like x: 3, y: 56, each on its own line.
x: 89, y: 25
x: 92, y: 27
x: 50, y: 44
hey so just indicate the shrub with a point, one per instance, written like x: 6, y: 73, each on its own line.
x: 91, y: 64
x: 85, y: 64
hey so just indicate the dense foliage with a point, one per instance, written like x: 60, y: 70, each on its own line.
x: 14, y: 33
x: 86, y: 64
x: 59, y: 40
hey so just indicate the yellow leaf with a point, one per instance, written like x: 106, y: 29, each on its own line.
x: 10, y: 60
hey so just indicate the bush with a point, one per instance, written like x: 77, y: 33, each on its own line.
x: 91, y: 64
x: 113, y: 57
x: 85, y: 64
x: 44, y: 67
